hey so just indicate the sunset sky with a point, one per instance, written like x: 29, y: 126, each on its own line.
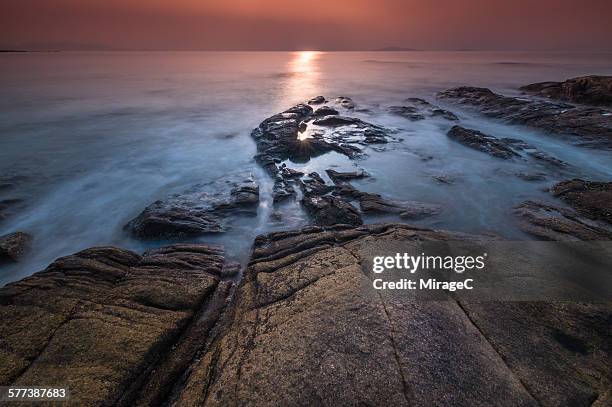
x: 314, y: 24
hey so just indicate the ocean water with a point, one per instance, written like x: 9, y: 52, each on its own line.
x: 90, y: 139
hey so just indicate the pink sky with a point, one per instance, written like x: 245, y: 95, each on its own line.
x: 313, y: 24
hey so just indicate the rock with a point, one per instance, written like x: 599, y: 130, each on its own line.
x: 282, y: 190
x: 307, y: 328
x: 335, y: 120
x: 114, y: 327
x: 330, y: 210
x: 288, y: 173
x: 374, y: 203
x: 200, y: 210
x: 528, y: 176
x: 550, y: 222
x: 325, y: 111
x: 592, y: 126
x: 277, y: 137
x: 520, y: 145
x: 345, y: 102
x: 444, y: 179
x: 590, y: 199
x: 314, y: 185
x: 408, y: 112
x: 481, y: 142
x: 14, y: 246
x: 418, y: 109
x: 317, y: 100
x: 340, y: 177
x: 590, y: 90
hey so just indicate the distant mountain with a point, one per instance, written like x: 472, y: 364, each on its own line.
x: 393, y: 49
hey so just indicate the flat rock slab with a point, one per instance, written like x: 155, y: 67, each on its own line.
x: 591, y: 125
x: 14, y: 246
x: 307, y: 328
x: 590, y: 90
x: 101, y: 322
x: 206, y: 208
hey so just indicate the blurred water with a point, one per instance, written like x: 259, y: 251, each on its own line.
x: 95, y: 137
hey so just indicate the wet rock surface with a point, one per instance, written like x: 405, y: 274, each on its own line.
x: 307, y: 327
x: 115, y: 327
x: 592, y: 126
x: 14, y: 246
x: 590, y: 90
x: 206, y: 208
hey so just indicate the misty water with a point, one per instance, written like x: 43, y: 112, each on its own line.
x: 88, y: 140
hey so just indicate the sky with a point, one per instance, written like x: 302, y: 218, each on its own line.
x: 571, y: 25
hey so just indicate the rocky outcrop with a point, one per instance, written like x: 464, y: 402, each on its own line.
x: 590, y: 90
x: 590, y: 199
x: 299, y: 134
x: 14, y: 246
x: 114, y: 327
x: 418, y: 109
x: 591, y: 125
x: 206, y: 208
x: 589, y: 217
x: 307, y: 328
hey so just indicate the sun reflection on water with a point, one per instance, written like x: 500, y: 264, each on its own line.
x: 302, y: 77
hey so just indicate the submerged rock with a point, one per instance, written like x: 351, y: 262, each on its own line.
x: 590, y: 90
x: 14, y: 246
x: 114, y: 327
x: 418, y: 109
x: 206, y: 208
x: 592, y: 126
